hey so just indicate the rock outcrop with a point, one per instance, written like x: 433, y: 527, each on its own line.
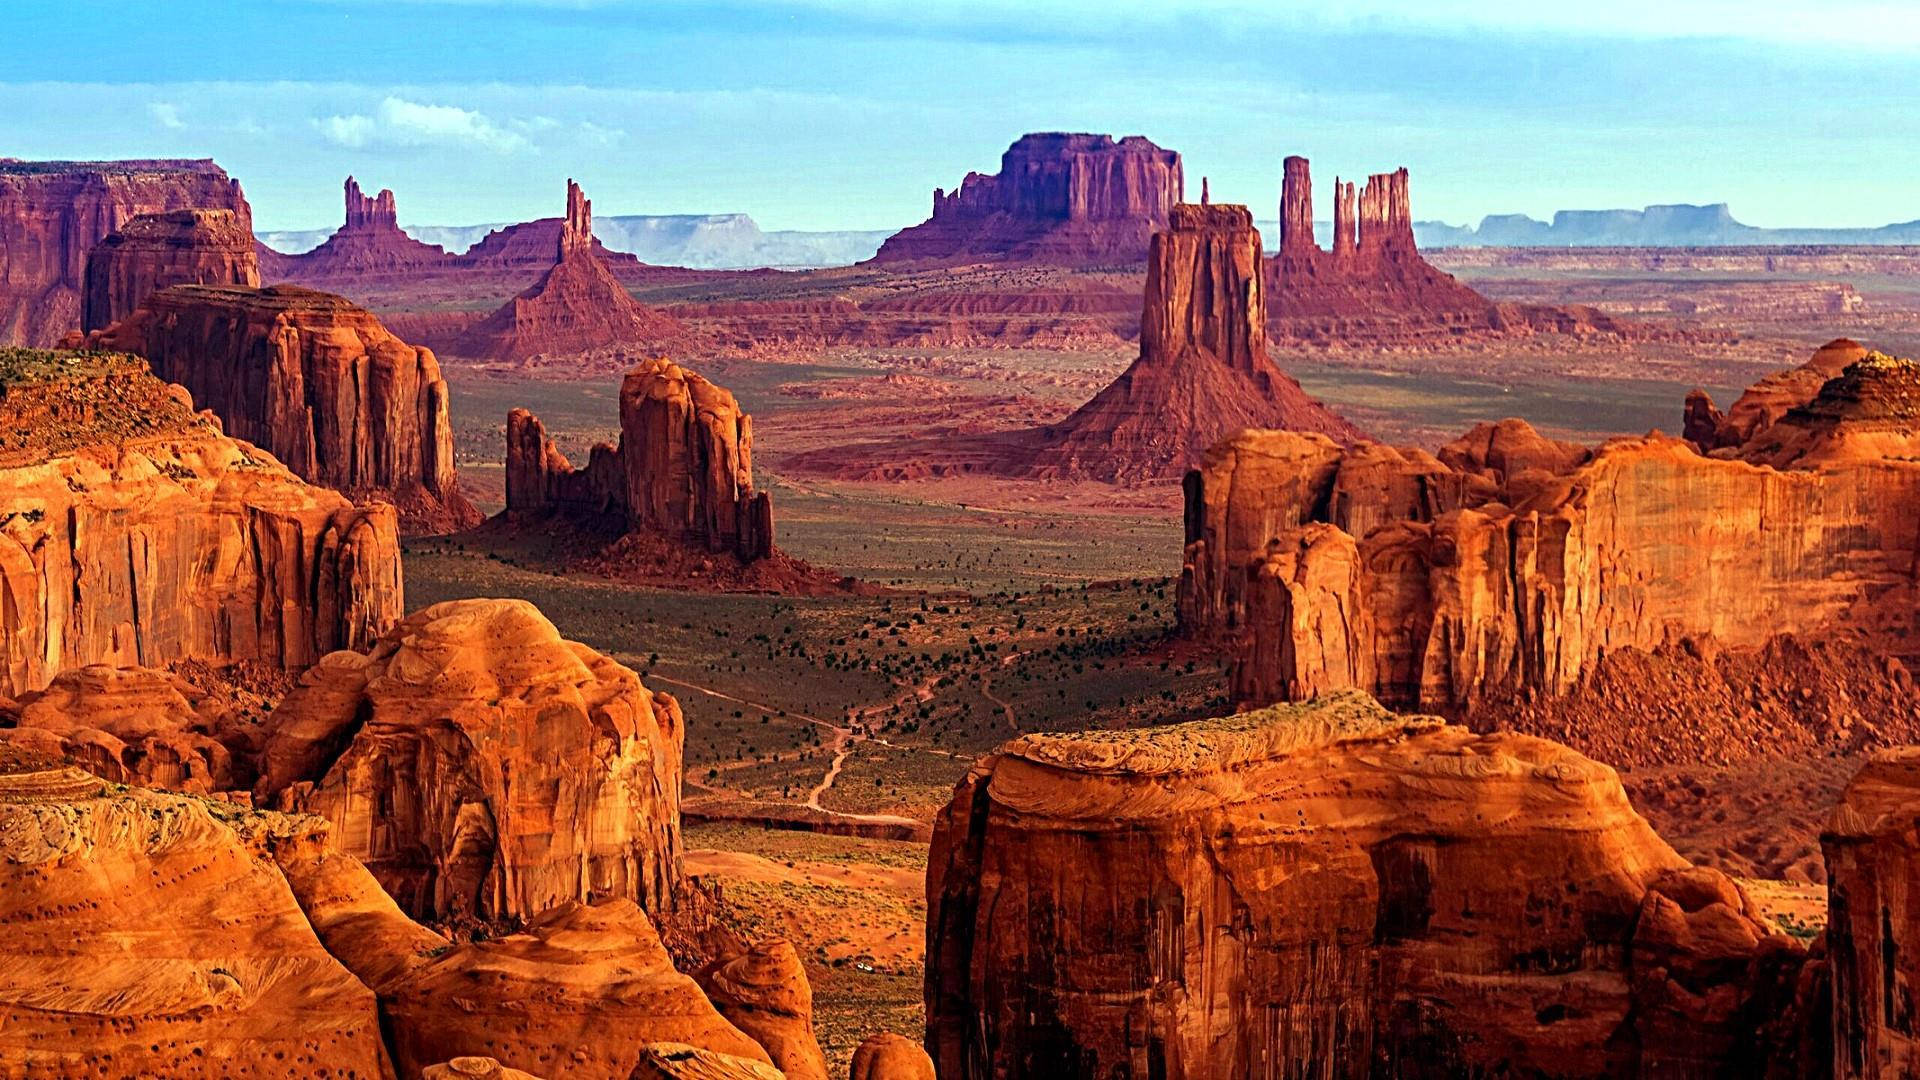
x: 677, y: 1061
x: 887, y: 1056
x: 576, y: 307
x: 146, y: 934
x: 474, y: 1068
x: 683, y: 469
x: 1509, y: 564
x: 318, y: 382
x: 136, y: 726
x: 154, y: 251
x: 1203, y: 371
x: 1337, y: 891
x: 1073, y: 200
x: 1873, y: 919
x: 134, y: 533
x: 1766, y: 401
x: 52, y: 213
x: 368, y: 245
x: 764, y: 992
x: 483, y: 768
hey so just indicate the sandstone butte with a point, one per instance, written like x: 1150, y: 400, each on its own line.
x: 135, y: 533
x: 1508, y: 564
x: 576, y: 307
x: 318, y: 382
x: 368, y: 245
x: 1336, y: 891
x: 52, y: 213
x: 153, y: 251
x: 483, y: 768
x: 1203, y: 370
x: 1064, y: 199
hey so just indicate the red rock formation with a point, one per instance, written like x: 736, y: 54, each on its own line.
x: 369, y: 245
x: 153, y: 251
x: 887, y: 1056
x: 1331, y: 890
x: 576, y: 307
x: 535, y: 770
x: 145, y: 934
x: 1873, y: 919
x: 1072, y: 200
x: 1510, y: 564
x: 1203, y: 371
x: 683, y: 469
x: 1768, y: 400
x: 474, y: 1068
x: 764, y: 992
x: 52, y: 213
x: 135, y: 533
x: 677, y: 1061
x: 317, y: 382
x: 136, y: 726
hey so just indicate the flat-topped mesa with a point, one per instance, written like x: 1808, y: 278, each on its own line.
x: 318, y: 382
x: 369, y: 244
x: 154, y: 251
x: 1365, y: 894
x: 1509, y: 565
x: 364, y: 213
x: 136, y: 533
x: 683, y: 469
x: 52, y: 213
x: 1061, y: 199
x: 1203, y: 370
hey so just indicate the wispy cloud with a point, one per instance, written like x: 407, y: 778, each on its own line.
x: 166, y: 114
x: 401, y: 122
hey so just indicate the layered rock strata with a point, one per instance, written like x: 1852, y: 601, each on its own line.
x: 136, y: 726
x: 154, y: 251
x: 133, y: 533
x: 52, y: 213
x: 483, y: 768
x: 1508, y: 564
x: 318, y: 382
x: 1337, y: 891
x: 764, y: 992
x: 1073, y: 200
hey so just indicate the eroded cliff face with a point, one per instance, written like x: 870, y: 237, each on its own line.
x: 154, y: 251
x: 135, y: 533
x: 1203, y: 371
x: 683, y: 469
x: 52, y: 213
x: 483, y: 768
x: 136, y: 726
x: 317, y: 382
x: 1337, y: 891
x: 369, y: 245
x: 1074, y: 200
x: 1873, y: 919
x: 1509, y: 564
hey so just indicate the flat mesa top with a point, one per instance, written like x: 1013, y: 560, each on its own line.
x: 20, y: 167
x: 20, y: 367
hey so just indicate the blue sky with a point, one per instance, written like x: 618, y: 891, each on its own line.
x: 820, y: 114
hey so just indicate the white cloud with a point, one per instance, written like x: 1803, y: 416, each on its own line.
x: 166, y: 114
x: 401, y: 122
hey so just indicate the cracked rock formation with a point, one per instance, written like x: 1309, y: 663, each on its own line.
x: 483, y: 768
x: 52, y: 213
x: 154, y: 251
x: 1510, y: 563
x: 318, y: 382
x: 134, y: 533
x: 764, y: 992
x: 1337, y: 891
x: 1061, y: 199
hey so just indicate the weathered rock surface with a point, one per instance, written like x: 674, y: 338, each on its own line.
x: 484, y: 768
x: 1074, y: 200
x: 147, y: 934
x: 136, y: 726
x: 1331, y: 890
x: 683, y: 469
x: 1873, y: 919
x: 764, y: 992
x: 677, y: 1061
x: 318, y: 382
x: 887, y: 1056
x: 576, y: 307
x: 1510, y: 564
x: 1766, y: 401
x: 368, y: 245
x: 132, y: 532
x: 474, y: 1068
x: 52, y: 213
x: 154, y: 251
x: 1203, y: 371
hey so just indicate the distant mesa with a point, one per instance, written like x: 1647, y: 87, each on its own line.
x: 1060, y: 199
x: 1663, y: 225
x: 52, y: 213
x: 576, y: 308
x: 154, y: 251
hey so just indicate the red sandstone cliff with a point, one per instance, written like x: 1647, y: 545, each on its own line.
x: 576, y: 307
x: 137, y: 534
x: 52, y: 213
x: 370, y: 244
x: 154, y: 251
x: 1073, y: 200
x: 317, y: 382
x: 1873, y: 919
